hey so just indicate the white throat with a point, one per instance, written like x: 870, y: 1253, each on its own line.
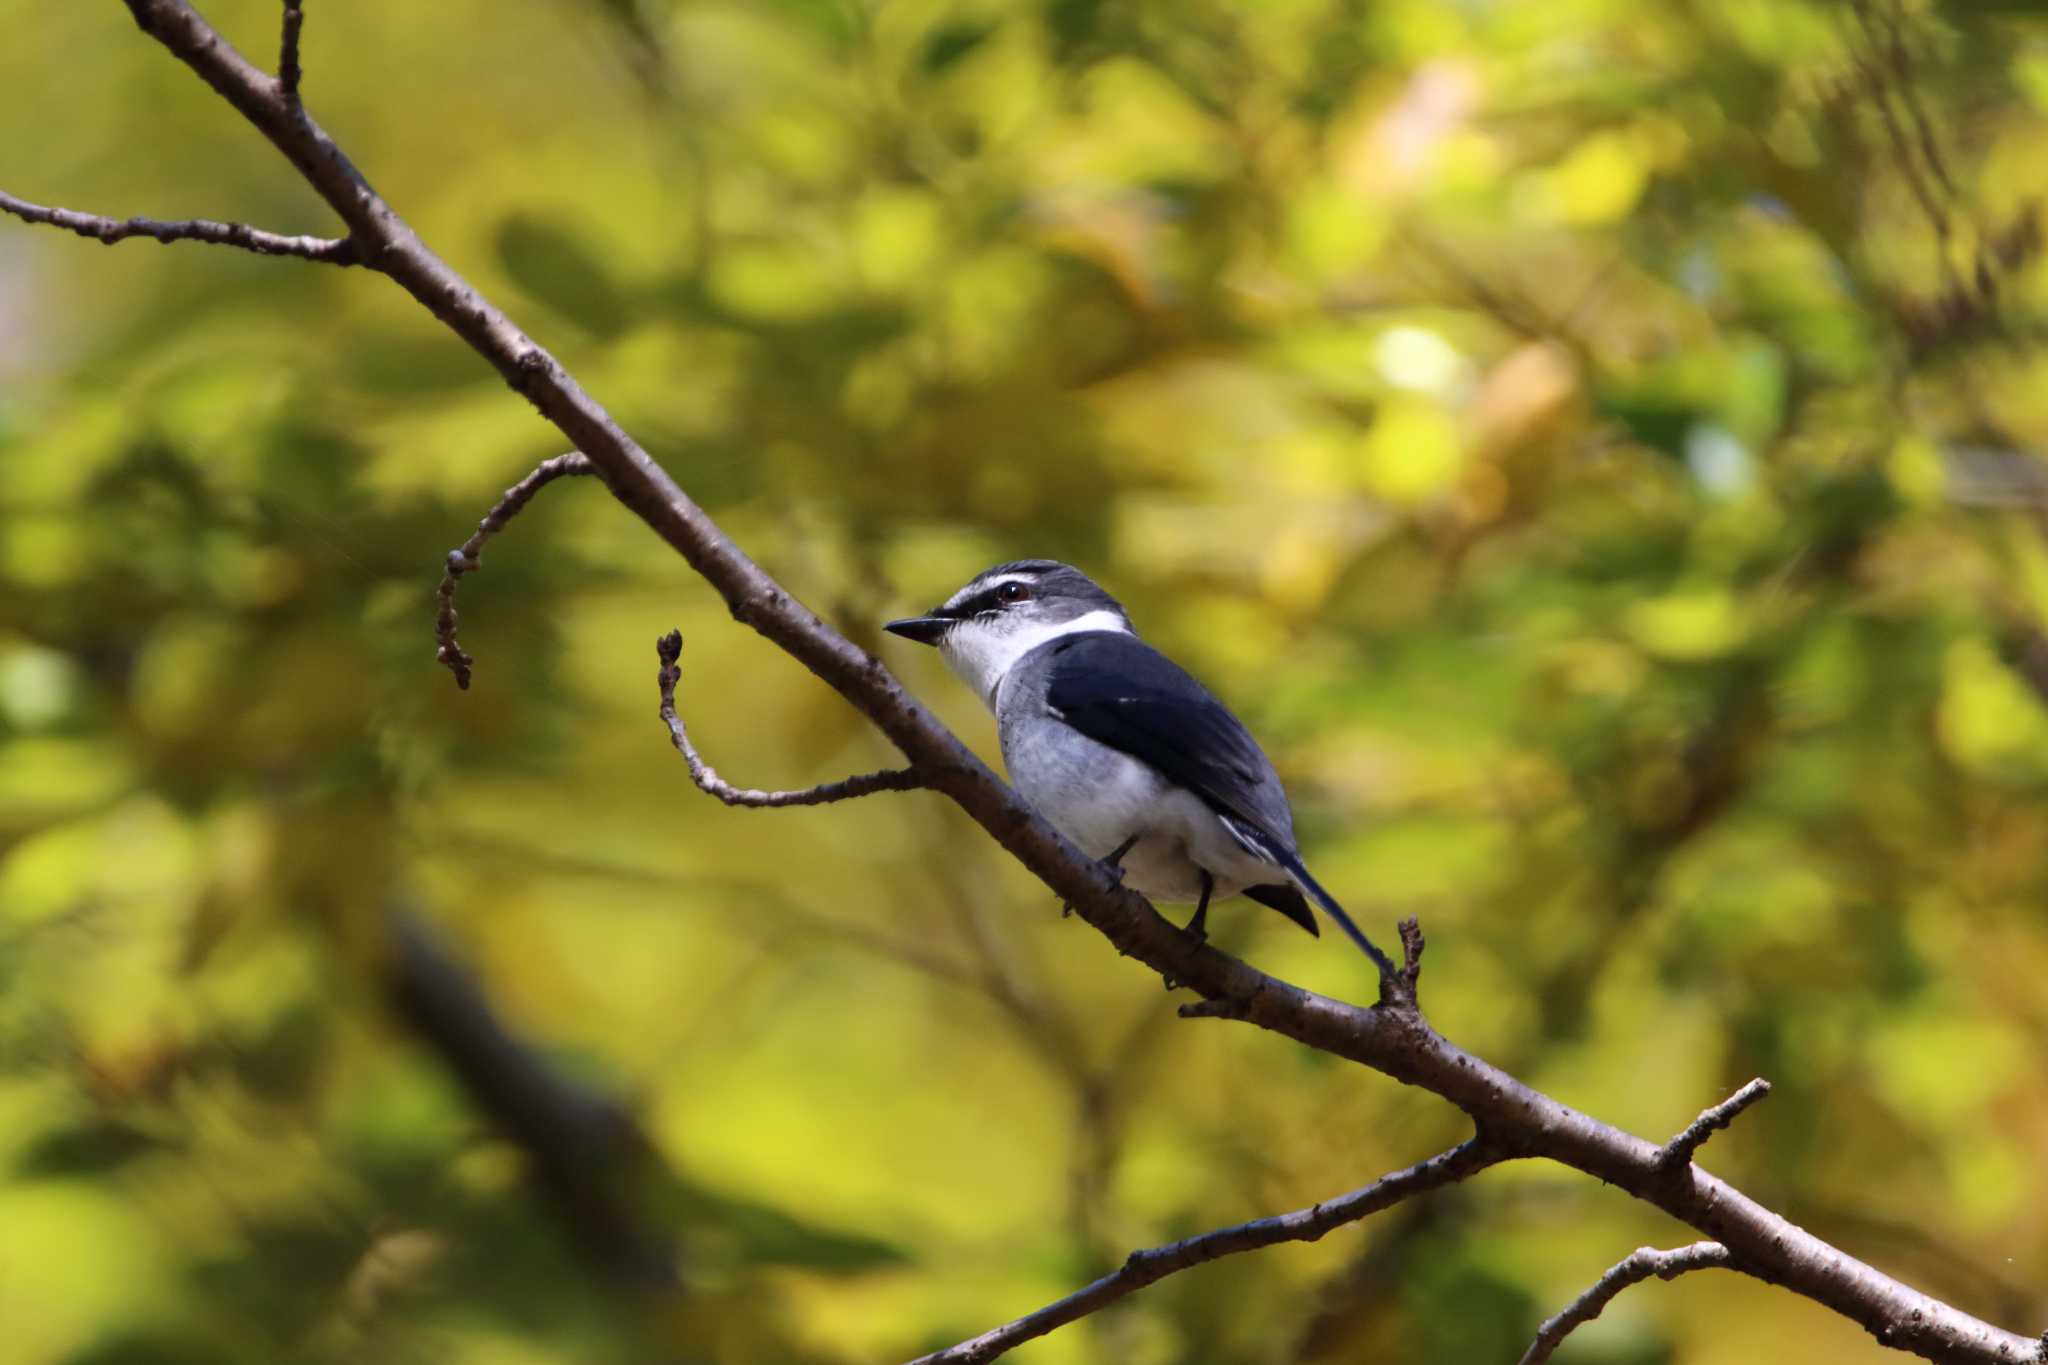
x: 981, y: 653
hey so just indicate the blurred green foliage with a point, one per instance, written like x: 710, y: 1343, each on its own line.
x: 1596, y: 444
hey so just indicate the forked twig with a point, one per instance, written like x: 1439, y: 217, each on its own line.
x: 670, y: 649
x: 1399, y: 1043
x: 1637, y: 1266
x: 469, y: 557
x: 1676, y: 1154
x: 327, y: 250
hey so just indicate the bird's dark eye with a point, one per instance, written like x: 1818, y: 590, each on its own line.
x: 1013, y: 592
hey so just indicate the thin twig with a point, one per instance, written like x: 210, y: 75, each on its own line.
x: 327, y: 250
x: 1411, y: 965
x: 757, y: 905
x: 1902, y: 68
x: 1637, y: 1266
x: 1397, y: 985
x: 670, y: 648
x: 1399, y: 1043
x: 1303, y: 1225
x: 1514, y: 314
x: 1676, y: 1154
x: 288, y: 69
x: 469, y: 558
x: 1902, y: 147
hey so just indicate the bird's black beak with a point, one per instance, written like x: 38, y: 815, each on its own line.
x: 926, y: 630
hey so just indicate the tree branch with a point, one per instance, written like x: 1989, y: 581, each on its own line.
x: 469, y: 557
x: 1637, y: 1266
x: 288, y: 70
x: 580, y: 1144
x: 1392, y: 1037
x: 670, y: 648
x: 1677, y: 1153
x: 327, y: 250
x: 1141, y: 1268
x: 1872, y: 66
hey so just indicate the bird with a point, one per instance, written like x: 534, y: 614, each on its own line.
x: 1121, y: 749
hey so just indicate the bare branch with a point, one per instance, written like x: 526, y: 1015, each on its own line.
x: 469, y: 558
x: 767, y: 908
x: 1677, y: 1153
x: 1396, y: 1041
x: 327, y: 250
x: 1397, y: 984
x: 1869, y: 67
x: 1901, y: 63
x: 1411, y: 962
x: 582, y: 1145
x: 288, y: 70
x: 670, y: 648
x: 1891, y: 50
x: 1512, y: 310
x: 1142, y: 1268
x: 1637, y: 1266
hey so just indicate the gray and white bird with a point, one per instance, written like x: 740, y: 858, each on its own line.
x: 1119, y: 748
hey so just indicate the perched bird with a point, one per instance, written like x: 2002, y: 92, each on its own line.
x: 1120, y: 748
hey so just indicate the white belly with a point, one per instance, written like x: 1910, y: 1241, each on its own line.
x: 1099, y: 797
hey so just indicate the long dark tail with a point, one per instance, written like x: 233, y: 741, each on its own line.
x: 1289, y: 860
x: 1264, y: 845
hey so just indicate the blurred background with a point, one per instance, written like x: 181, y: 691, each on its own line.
x: 1596, y: 445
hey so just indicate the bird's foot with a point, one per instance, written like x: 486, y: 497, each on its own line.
x: 1115, y: 861
x: 1198, y: 924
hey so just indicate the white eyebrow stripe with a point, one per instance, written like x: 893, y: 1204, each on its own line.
x: 982, y: 585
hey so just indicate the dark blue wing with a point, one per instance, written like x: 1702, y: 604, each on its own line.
x: 1119, y: 691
